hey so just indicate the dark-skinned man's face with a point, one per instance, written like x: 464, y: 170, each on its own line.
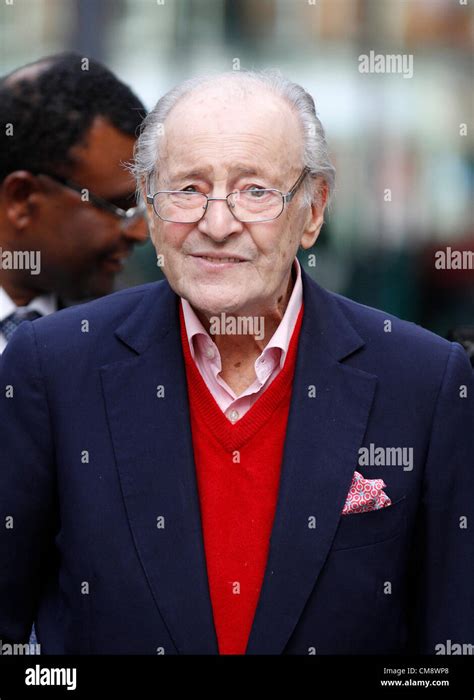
x: 82, y: 247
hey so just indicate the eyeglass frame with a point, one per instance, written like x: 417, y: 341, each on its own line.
x: 286, y: 199
x: 97, y: 201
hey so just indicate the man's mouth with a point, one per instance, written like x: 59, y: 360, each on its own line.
x: 218, y: 260
x: 115, y: 262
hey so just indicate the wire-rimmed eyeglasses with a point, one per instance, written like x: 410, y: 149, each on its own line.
x: 124, y: 208
x: 254, y: 205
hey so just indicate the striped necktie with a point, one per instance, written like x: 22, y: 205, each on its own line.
x: 9, y: 325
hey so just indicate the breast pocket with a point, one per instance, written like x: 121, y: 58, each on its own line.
x: 362, y: 529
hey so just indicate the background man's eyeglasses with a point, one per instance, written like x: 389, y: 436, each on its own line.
x: 125, y: 209
x: 248, y: 206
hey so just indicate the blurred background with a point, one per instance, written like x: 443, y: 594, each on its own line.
x: 402, y: 147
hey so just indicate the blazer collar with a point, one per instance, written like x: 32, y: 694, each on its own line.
x: 157, y: 313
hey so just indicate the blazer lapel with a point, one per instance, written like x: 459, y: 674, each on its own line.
x: 152, y: 441
x: 323, y: 437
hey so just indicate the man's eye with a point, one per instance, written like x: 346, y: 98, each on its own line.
x: 189, y: 188
x: 256, y: 191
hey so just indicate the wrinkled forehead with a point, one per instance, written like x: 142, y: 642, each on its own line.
x: 222, y: 125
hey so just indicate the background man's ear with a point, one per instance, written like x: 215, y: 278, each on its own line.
x: 316, y: 218
x: 18, y: 192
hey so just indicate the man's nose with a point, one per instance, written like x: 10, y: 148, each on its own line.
x: 218, y: 221
x: 135, y: 230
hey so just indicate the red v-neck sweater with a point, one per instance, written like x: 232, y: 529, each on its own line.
x: 238, y: 472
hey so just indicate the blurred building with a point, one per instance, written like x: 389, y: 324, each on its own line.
x: 402, y: 145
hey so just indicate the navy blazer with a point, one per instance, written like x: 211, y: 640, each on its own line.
x: 92, y: 456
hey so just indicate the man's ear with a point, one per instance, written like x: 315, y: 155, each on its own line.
x: 316, y: 218
x: 18, y: 192
x: 150, y: 215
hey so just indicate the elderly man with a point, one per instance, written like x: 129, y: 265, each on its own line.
x: 235, y: 460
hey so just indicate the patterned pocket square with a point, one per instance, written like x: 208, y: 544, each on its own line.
x: 365, y: 495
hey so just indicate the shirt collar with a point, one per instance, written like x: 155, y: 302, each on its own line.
x: 282, y: 336
x: 44, y: 304
x: 279, y: 340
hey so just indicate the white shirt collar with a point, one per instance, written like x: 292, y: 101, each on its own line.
x: 44, y: 304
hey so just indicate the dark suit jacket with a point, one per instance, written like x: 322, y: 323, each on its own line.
x: 91, y: 457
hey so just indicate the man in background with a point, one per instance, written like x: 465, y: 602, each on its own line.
x: 68, y: 213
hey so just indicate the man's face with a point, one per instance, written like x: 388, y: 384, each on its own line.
x: 82, y: 247
x: 217, y: 142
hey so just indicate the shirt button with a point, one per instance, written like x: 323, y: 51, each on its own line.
x: 234, y: 416
x: 209, y: 352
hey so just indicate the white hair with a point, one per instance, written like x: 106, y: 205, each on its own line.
x: 315, y: 150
